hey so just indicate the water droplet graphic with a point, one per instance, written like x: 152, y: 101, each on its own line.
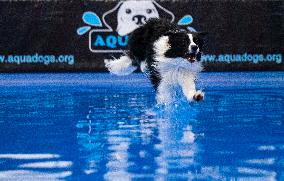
x: 92, y: 19
x: 191, y: 29
x: 186, y: 20
x: 83, y: 30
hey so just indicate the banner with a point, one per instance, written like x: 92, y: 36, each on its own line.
x: 56, y: 36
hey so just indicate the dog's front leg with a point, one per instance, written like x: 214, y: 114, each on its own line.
x: 188, y: 87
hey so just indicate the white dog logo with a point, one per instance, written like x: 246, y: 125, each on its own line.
x: 132, y: 14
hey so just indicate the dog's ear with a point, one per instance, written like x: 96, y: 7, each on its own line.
x: 110, y: 17
x: 169, y: 33
x: 163, y: 12
x: 175, y: 32
x: 202, y: 34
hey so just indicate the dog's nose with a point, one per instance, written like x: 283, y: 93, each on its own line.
x: 194, y: 48
x: 139, y: 19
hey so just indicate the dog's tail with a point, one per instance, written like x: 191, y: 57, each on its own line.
x: 121, y: 66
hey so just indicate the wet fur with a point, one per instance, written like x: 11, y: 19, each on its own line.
x: 159, y: 49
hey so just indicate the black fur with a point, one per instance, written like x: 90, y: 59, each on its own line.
x: 141, y: 43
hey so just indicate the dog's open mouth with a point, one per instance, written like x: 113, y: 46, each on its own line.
x: 191, y: 57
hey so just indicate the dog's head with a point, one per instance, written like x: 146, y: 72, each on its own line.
x: 180, y: 43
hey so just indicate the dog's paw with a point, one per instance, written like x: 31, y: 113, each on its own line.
x: 198, y: 96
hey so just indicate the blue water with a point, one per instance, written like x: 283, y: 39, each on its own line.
x: 103, y: 127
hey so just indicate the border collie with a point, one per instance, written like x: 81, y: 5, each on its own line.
x: 169, y: 55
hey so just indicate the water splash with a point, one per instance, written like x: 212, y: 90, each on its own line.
x: 179, y: 109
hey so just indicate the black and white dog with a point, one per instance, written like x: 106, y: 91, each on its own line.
x: 169, y: 55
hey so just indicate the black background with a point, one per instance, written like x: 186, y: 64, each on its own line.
x: 49, y: 27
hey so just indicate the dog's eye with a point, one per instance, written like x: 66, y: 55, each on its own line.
x: 128, y: 11
x: 149, y: 11
x: 198, y: 41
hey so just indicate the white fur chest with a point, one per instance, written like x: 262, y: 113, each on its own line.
x: 173, y: 70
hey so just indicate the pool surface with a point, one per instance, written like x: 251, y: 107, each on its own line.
x: 104, y: 127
